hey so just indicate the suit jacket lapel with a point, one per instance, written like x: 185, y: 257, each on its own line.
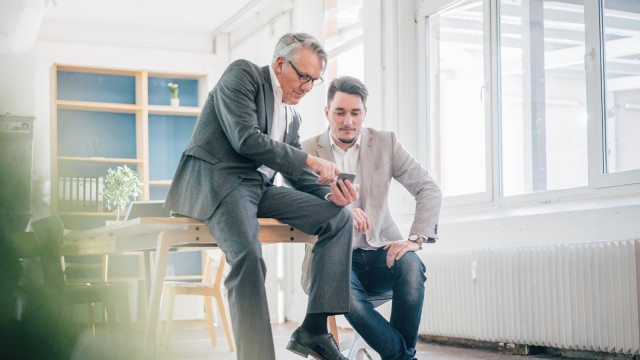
x: 268, y: 97
x: 367, y: 158
x: 324, y: 147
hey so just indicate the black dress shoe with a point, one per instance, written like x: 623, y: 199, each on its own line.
x: 322, y: 347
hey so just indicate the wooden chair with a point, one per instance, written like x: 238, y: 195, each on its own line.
x: 113, y: 296
x: 210, y: 288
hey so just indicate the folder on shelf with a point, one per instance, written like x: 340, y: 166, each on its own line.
x: 93, y: 204
x: 61, y: 193
x: 67, y: 193
x: 80, y: 199
x: 100, y: 194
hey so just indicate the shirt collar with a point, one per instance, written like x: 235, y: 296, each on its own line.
x: 275, y: 84
x: 355, y: 146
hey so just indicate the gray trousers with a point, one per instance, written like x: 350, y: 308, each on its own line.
x: 235, y: 227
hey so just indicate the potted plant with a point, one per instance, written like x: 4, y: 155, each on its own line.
x: 173, y: 91
x: 121, y: 187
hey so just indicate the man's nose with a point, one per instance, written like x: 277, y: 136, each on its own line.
x: 348, y: 120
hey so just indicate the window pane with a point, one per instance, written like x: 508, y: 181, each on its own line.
x: 622, y: 71
x: 343, y: 36
x: 456, y: 108
x: 350, y: 62
x: 543, y: 96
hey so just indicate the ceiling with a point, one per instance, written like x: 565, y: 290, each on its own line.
x: 21, y: 20
x: 189, y: 15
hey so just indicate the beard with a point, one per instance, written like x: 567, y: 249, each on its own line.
x: 347, y: 141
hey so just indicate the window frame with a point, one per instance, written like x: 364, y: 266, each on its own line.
x: 434, y: 8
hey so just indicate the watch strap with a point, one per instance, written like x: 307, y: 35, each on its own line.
x: 418, y: 239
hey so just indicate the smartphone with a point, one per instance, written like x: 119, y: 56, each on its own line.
x: 345, y: 176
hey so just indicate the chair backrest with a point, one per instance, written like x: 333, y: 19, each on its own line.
x: 49, y: 232
x: 20, y: 261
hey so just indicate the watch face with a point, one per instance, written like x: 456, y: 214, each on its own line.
x: 414, y: 237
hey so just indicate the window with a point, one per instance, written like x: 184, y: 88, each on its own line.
x: 535, y: 99
x: 543, y: 127
x: 456, y: 105
x: 343, y: 35
x: 622, y: 74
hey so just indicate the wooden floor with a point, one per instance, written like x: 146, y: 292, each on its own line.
x: 191, y: 341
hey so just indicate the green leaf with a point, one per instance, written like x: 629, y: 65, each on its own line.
x: 121, y: 187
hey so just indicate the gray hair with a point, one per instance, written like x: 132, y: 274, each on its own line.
x: 348, y: 85
x: 290, y: 44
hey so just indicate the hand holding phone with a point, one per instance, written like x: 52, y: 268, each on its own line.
x: 347, y: 176
x: 345, y: 194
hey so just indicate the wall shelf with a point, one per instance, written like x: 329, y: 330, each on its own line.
x: 172, y: 110
x: 100, y: 160
x: 160, y: 182
x: 98, y: 106
x: 84, y: 213
x: 105, y: 117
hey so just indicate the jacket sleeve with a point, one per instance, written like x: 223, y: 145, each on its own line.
x: 408, y: 172
x: 308, y: 180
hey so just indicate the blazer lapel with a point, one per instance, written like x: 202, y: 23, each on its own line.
x: 268, y: 97
x: 324, y: 147
x: 366, y: 165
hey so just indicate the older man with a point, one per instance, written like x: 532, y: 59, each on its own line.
x: 246, y: 132
x: 382, y: 259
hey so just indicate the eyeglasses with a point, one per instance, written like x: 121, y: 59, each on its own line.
x: 304, y: 78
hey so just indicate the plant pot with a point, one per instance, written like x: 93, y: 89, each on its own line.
x: 175, y: 102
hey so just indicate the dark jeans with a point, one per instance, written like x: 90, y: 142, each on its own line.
x: 370, y: 275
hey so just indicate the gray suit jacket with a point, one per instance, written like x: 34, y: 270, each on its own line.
x: 230, y: 140
x: 382, y: 159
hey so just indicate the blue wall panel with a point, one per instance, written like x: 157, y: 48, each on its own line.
x: 159, y: 92
x: 96, y: 87
x: 85, y: 133
x: 168, y: 137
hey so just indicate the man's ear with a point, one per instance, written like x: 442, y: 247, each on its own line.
x: 278, y: 64
x: 326, y: 112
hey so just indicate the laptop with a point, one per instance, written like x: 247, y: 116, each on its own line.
x: 147, y: 208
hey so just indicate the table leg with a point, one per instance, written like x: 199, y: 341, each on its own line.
x: 153, y: 310
x: 144, y: 291
x: 147, y: 272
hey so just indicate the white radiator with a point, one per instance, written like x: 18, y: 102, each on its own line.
x: 573, y: 296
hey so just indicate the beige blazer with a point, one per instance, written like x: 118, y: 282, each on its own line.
x: 383, y: 158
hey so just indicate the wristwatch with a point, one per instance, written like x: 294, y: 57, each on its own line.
x: 416, y: 239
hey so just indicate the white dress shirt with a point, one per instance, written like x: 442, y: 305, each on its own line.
x: 349, y: 162
x: 280, y: 118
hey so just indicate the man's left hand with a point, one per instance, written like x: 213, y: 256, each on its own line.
x: 396, y: 249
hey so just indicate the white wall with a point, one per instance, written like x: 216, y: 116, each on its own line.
x: 17, y: 85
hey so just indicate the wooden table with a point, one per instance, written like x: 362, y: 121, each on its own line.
x: 161, y: 234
